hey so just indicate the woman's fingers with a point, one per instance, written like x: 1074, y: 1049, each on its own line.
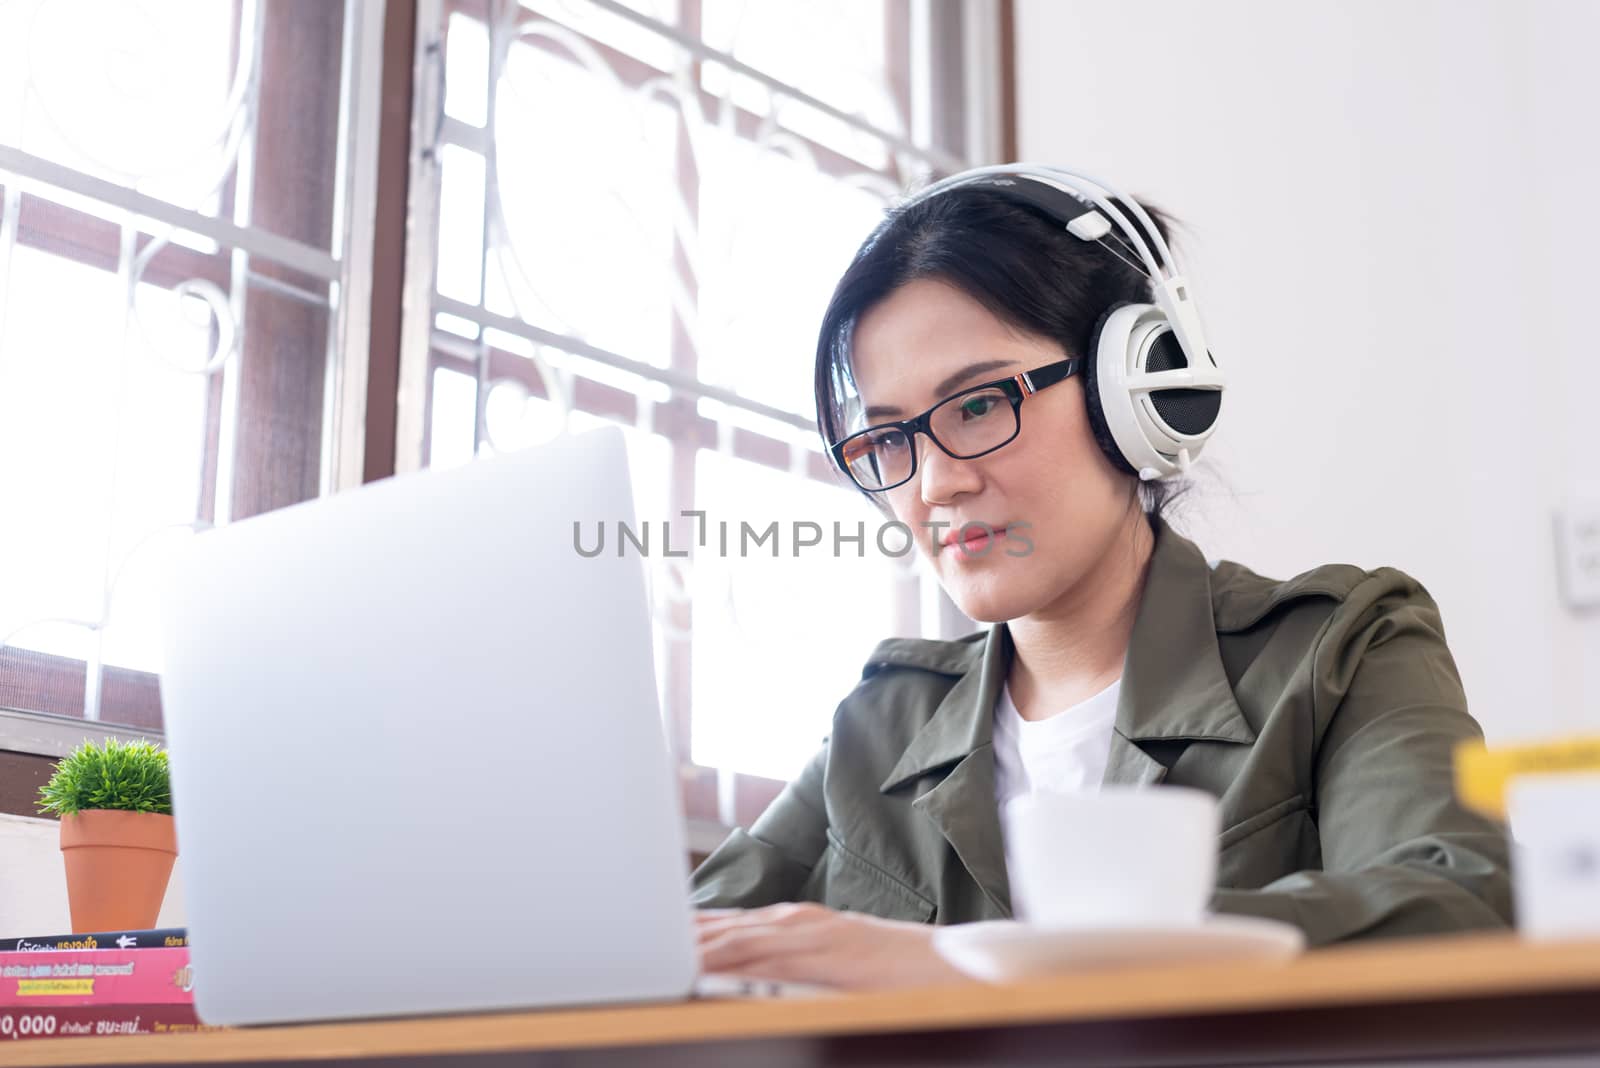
x: 741, y: 946
x: 705, y: 925
x: 809, y: 943
x: 803, y: 925
x: 788, y: 912
x: 766, y: 933
x: 769, y: 952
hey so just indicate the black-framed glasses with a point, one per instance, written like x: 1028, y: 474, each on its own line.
x: 965, y: 425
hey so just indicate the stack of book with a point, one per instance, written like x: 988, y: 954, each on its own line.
x: 112, y: 983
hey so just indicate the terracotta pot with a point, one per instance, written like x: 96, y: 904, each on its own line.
x: 118, y: 866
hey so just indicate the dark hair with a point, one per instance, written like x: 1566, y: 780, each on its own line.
x: 1014, y: 260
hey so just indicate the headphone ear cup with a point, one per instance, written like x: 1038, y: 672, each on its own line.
x: 1091, y: 394
x: 1187, y: 411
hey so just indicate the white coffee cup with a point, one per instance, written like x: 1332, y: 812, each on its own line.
x: 1120, y: 856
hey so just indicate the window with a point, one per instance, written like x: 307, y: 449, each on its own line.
x: 627, y: 212
x: 639, y: 211
x: 173, y: 249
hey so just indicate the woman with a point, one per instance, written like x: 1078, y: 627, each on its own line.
x: 1321, y: 711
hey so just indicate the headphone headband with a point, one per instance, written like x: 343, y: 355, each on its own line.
x: 1089, y: 217
x: 1029, y: 181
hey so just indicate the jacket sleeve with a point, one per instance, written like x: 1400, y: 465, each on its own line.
x: 1400, y: 856
x: 774, y: 859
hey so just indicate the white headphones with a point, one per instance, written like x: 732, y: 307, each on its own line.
x: 1151, y: 383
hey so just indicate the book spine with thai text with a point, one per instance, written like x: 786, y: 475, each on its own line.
x: 96, y: 977
x: 161, y: 938
x: 81, y: 1021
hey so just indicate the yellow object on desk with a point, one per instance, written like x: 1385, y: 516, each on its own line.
x: 1483, y: 772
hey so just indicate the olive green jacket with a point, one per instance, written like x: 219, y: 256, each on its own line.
x: 1321, y: 711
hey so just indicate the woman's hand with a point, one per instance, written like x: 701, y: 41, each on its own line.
x: 803, y: 942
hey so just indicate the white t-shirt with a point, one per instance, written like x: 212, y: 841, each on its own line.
x: 1066, y: 751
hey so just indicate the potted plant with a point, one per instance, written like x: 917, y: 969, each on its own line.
x: 117, y: 837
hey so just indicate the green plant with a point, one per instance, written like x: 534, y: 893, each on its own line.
x: 129, y: 776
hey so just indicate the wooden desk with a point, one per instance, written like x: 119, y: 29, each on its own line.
x: 1466, y: 996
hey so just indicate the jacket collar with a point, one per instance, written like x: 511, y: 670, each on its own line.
x: 1173, y: 688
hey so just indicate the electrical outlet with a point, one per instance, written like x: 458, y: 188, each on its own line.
x: 1578, y: 553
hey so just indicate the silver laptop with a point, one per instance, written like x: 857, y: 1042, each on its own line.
x: 417, y: 759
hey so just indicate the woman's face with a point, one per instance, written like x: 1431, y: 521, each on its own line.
x: 928, y: 340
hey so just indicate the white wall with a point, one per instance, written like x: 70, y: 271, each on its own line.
x: 1386, y: 208
x: 33, y: 881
